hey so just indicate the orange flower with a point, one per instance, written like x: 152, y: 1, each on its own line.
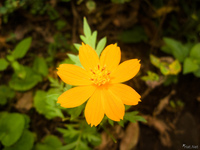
x: 100, y: 81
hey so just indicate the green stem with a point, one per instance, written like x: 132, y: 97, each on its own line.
x: 111, y: 136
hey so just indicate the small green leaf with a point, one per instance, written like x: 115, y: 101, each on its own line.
x: 40, y: 66
x: 84, y: 39
x: 22, y: 48
x: 175, y: 67
x: 86, y: 28
x: 75, y: 59
x: 91, y: 5
x: 77, y: 46
x: 195, y: 53
x: 50, y: 142
x: 133, y: 117
x: 5, y: 94
x: 3, y: 64
x: 189, y: 66
x: 45, y: 104
x: 100, y: 46
x: 75, y: 112
x: 11, y: 128
x: 151, y: 76
x: 178, y: 50
x: 197, y: 73
x: 155, y: 61
x: 10, y: 58
x: 31, y: 79
x: 24, y: 143
x: 92, y: 40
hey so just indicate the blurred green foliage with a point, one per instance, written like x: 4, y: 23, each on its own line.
x: 14, y: 127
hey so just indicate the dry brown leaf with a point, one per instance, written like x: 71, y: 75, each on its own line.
x: 163, y: 103
x: 25, y: 103
x: 162, y: 128
x: 131, y: 137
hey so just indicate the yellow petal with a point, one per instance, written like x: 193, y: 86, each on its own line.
x: 113, y: 106
x: 110, y: 57
x: 127, y: 94
x: 125, y: 71
x: 73, y: 75
x: 88, y: 57
x: 94, y: 112
x: 75, y: 96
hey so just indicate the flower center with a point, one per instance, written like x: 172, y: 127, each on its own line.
x: 100, y: 75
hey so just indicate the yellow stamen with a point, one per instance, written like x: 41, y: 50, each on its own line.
x: 100, y: 75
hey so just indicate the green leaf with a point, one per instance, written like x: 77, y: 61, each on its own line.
x: 178, y: 50
x: 84, y: 39
x: 50, y: 142
x: 3, y: 64
x: 155, y: 61
x: 22, y: 48
x: 19, y: 69
x: 5, y: 94
x: 151, y: 76
x: 133, y: 117
x: 24, y: 143
x: 195, y: 53
x: 45, y: 104
x: 86, y: 28
x: 197, y: 73
x: 11, y: 128
x: 100, y: 46
x: 31, y: 79
x: 77, y: 46
x: 75, y: 59
x: 75, y: 112
x: 189, y: 66
x: 135, y: 35
x: 175, y: 67
x: 40, y: 66
x: 92, y: 39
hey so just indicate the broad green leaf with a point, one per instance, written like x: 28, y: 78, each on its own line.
x: 195, y: 53
x: 24, y: 143
x: 3, y: 64
x: 11, y: 128
x: 45, y: 103
x: 100, y: 46
x: 178, y: 50
x: 31, y: 79
x: 189, y: 66
x: 40, y: 66
x: 86, y: 28
x: 50, y: 142
x: 77, y: 46
x: 22, y: 48
x: 135, y: 35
